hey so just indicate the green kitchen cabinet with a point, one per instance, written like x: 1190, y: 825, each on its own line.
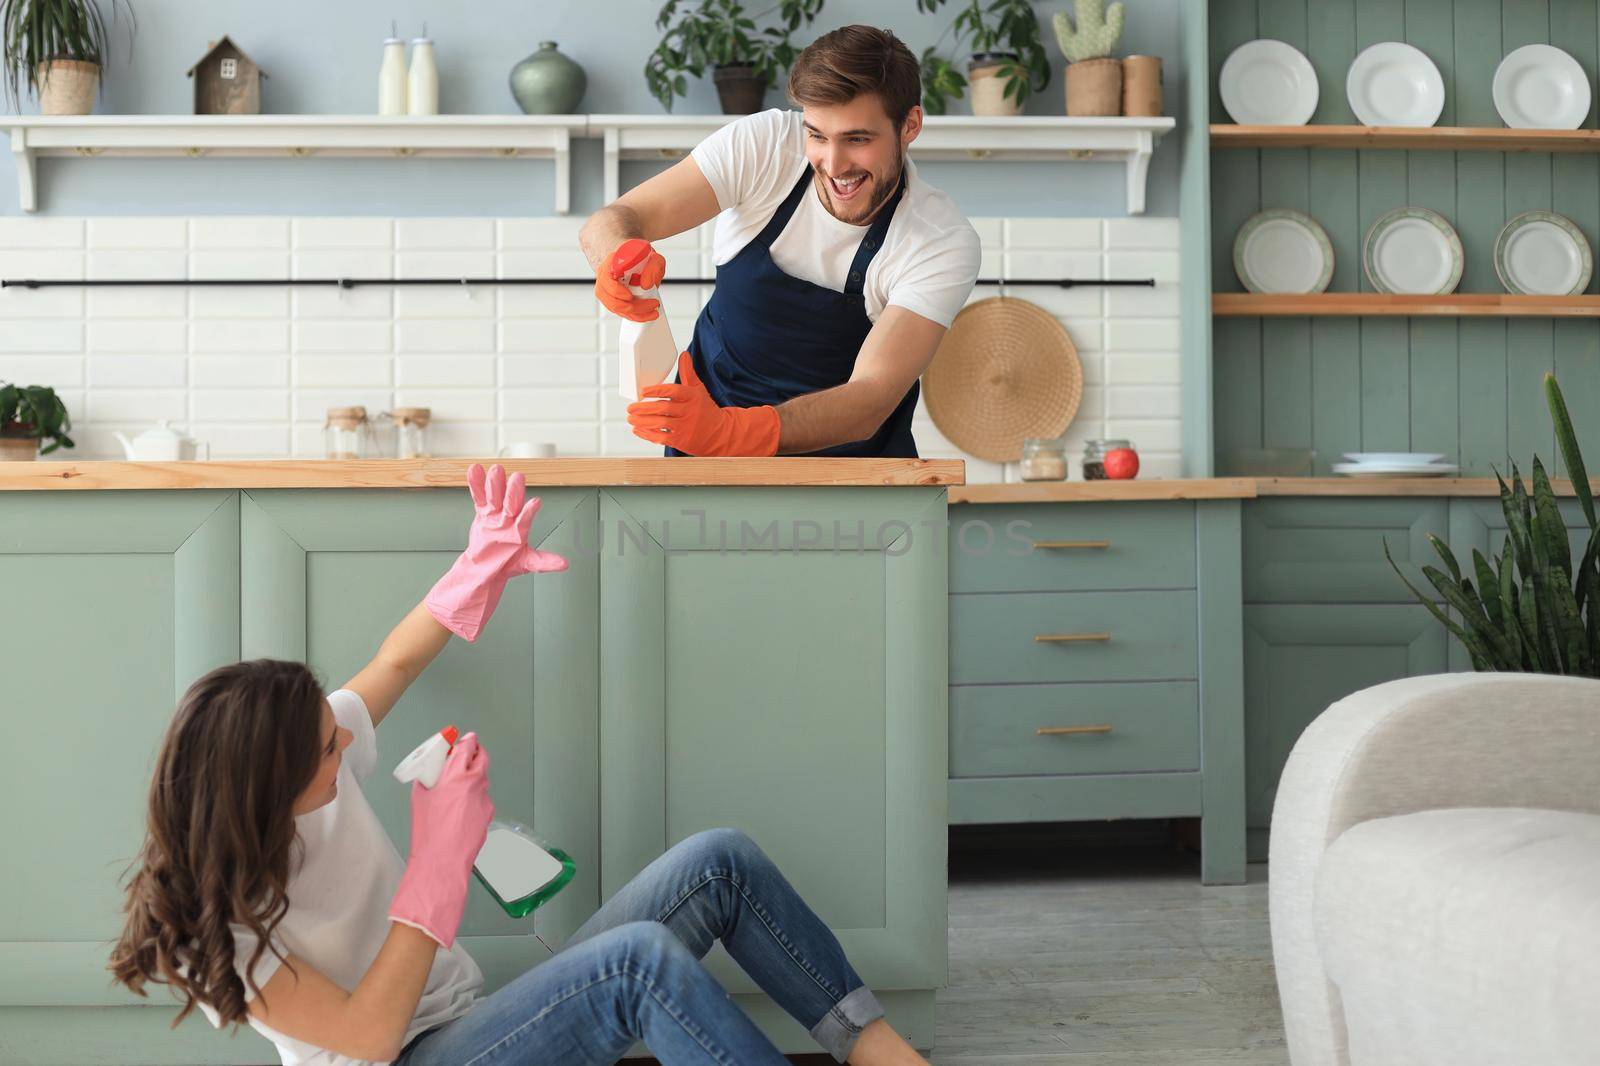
x: 636, y: 697
x: 1094, y: 667
x: 114, y: 604
x: 1300, y: 658
x: 1330, y: 549
x: 774, y: 661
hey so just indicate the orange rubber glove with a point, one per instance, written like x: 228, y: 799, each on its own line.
x: 688, y: 419
x: 634, y: 262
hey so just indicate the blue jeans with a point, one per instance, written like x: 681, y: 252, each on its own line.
x: 633, y: 972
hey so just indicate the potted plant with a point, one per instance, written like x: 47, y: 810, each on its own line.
x: 745, y: 59
x: 60, y: 48
x: 30, y: 416
x: 1007, y: 61
x: 1535, y: 609
x: 1093, y: 81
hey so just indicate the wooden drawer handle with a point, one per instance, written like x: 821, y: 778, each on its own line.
x: 1071, y: 638
x: 1055, y: 544
x: 1070, y: 730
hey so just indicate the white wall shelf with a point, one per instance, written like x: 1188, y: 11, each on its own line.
x: 487, y: 136
x: 1129, y: 141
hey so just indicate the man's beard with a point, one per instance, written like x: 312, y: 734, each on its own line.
x: 881, y: 191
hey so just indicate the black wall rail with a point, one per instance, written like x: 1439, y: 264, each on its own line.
x: 350, y: 283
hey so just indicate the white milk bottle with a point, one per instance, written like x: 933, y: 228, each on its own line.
x: 392, y: 77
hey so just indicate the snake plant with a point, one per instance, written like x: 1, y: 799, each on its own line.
x: 1534, y: 609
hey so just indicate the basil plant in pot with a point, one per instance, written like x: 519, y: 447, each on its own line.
x: 1535, y: 608
x: 745, y: 59
x: 1006, y: 65
x: 33, y: 422
x: 59, y: 49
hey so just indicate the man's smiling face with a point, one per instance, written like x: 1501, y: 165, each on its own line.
x: 857, y: 155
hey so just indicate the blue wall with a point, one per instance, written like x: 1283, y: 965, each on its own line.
x: 323, y: 58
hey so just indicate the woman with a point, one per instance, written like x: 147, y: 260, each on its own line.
x: 267, y: 892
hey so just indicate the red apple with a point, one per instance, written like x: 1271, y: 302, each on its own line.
x: 1122, y: 463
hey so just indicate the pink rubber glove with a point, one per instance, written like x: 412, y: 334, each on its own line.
x: 497, y: 550
x: 449, y: 823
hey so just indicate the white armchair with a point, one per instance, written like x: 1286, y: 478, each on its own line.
x: 1434, y: 875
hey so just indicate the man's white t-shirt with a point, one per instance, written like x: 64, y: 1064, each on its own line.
x: 930, y: 255
x: 339, y: 899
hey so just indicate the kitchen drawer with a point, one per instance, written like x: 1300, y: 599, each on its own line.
x: 1134, y: 545
x: 1313, y: 550
x: 1132, y: 636
x: 994, y: 729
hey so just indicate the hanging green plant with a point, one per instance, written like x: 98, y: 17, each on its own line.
x: 1005, y: 29
x: 697, y: 34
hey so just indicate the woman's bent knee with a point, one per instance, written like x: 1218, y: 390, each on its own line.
x: 725, y: 846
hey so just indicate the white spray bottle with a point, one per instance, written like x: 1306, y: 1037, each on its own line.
x: 645, y: 350
x: 520, y: 870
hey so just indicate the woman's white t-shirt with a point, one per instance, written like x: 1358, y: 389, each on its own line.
x: 339, y: 899
x: 930, y: 255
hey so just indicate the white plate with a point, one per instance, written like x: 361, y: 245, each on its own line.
x: 1412, y: 250
x: 1538, y: 86
x: 1268, y: 83
x: 1410, y: 458
x: 1279, y: 250
x: 1541, y: 253
x: 1394, y: 84
x: 1380, y: 470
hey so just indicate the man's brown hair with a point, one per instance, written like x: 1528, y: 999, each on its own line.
x: 844, y: 63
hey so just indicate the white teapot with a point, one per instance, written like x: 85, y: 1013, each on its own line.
x: 163, y: 444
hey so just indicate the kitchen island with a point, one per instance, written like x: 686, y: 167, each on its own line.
x: 754, y: 643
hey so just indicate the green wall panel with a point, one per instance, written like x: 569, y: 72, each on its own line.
x: 1470, y: 388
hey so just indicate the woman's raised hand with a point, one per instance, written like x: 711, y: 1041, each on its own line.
x: 497, y: 550
x: 449, y: 823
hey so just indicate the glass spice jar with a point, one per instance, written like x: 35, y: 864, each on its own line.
x: 411, y: 431
x: 1044, y: 459
x: 1094, y: 456
x: 345, y: 433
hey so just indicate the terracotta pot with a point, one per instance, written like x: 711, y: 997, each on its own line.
x: 67, y: 86
x: 984, y: 74
x: 740, y: 88
x: 1094, y: 87
x: 18, y: 449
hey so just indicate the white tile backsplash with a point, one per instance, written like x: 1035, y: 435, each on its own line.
x: 253, y: 369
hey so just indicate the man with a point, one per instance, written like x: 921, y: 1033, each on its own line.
x: 838, y: 268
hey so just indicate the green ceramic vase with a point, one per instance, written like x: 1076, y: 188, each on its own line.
x: 548, y: 83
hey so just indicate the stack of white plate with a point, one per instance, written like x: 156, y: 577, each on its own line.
x: 1395, y: 464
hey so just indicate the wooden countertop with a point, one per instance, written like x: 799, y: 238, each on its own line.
x: 1238, y: 488
x: 447, y: 473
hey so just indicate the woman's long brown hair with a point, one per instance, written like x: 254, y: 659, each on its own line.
x: 245, y: 742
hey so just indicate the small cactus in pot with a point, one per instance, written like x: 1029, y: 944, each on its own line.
x: 1094, y: 81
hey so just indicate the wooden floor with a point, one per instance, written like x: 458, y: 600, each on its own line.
x: 1082, y: 947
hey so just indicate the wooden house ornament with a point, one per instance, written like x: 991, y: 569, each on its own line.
x: 226, y: 81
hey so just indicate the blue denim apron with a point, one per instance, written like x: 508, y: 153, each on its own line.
x: 767, y: 336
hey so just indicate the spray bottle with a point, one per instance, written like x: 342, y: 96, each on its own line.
x: 519, y: 869
x: 645, y: 349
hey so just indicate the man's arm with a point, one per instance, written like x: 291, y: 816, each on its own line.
x: 898, y: 349
x: 404, y: 654
x: 679, y: 198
